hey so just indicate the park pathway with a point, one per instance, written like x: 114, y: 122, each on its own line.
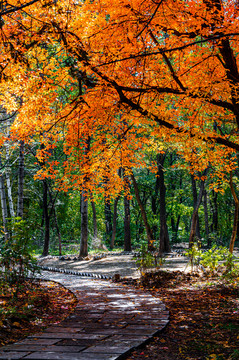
x: 109, y: 321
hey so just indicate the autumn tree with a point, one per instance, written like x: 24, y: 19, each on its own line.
x: 127, y: 76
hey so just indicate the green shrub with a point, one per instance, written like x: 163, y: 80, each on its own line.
x: 147, y: 259
x: 16, y: 261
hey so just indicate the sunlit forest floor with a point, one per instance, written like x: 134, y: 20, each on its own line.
x: 204, y: 318
x: 204, y: 314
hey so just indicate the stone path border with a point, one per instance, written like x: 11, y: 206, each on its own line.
x: 75, y: 272
x: 109, y: 321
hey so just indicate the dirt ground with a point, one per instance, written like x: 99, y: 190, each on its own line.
x: 125, y: 265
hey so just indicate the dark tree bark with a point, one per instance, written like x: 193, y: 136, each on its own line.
x: 175, y: 226
x: 127, y: 232
x: 8, y: 181
x: 206, y: 217
x: 84, y: 226
x: 84, y: 211
x: 108, y: 219
x: 235, y: 221
x: 214, y: 209
x: 154, y: 205
x: 143, y: 214
x: 58, y: 232
x: 112, y: 242
x: 20, y: 180
x: 195, y: 197
x: 195, y: 211
x: 46, y: 219
x: 164, y: 245
x: 3, y: 201
x: 95, y: 230
x: 174, y: 188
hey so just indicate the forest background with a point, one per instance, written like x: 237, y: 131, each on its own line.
x: 119, y: 123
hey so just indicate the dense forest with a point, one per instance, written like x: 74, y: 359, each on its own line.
x: 119, y: 124
x: 158, y: 206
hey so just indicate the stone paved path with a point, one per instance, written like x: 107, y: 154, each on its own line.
x: 109, y: 321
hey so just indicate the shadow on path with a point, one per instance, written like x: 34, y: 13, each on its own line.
x: 109, y: 321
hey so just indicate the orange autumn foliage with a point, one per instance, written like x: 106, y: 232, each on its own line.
x: 125, y: 75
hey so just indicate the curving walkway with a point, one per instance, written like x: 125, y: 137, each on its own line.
x: 109, y: 321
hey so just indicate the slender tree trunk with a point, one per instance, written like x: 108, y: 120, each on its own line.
x: 84, y: 225
x: 235, y: 222
x: 8, y: 183
x: 112, y: 242
x: 108, y: 219
x: 164, y: 245
x: 143, y: 214
x: 84, y: 210
x: 154, y: 205
x: 206, y: 218
x: 21, y: 180
x: 214, y: 207
x: 46, y: 219
x: 58, y: 232
x: 195, y: 211
x: 95, y: 230
x: 3, y: 201
x: 127, y: 232
x: 175, y: 226
x: 194, y: 189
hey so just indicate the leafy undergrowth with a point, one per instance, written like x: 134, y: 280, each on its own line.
x: 35, y: 306
x: 204, y: 318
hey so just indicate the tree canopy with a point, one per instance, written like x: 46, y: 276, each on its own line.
x: 109, y: 78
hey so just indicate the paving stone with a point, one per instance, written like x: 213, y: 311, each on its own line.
x: 71, y: 336
x: 142, y: 339
x: 122, y: 343
x: 58, y: 348
x: 101, y: 331
x: 107, y: 349
x: 78, y: 342
x: 139, y: 332
x: 108, y: 321
x: 12, y: 355
x: 71, y: 356
x: 23, y: 347
x: 39, y: 341
x: 61, y: 329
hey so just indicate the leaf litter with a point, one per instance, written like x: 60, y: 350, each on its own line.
x: 204, y: 317
x: 36, y: 305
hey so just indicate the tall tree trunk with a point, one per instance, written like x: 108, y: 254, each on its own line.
x: 8, y: 182
x: 84, y: 210
x: 175, y: 226
x: 127, y: 232
x: 108, y: 219
x: 84, y: 226
x: 58, y: 232
x: 21, y: 180
x: 194, y: 189
x: 206, y: 218
x: 143, y: 214
x: 195, y: 210
x: 154, y: 205
x: 235, y: 222
x: 164, y: 245
x: 174, y: 189
x: 46, y: 219
x: 95, y: 230
x: 214, y: 208
x: 112, y: 242
x: 3, y: 200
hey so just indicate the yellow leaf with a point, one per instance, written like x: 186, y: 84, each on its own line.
x: 16, y: 324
